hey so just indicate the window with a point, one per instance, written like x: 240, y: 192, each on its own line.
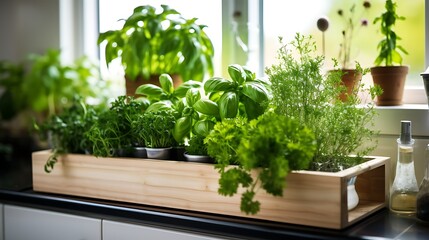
x: 247, y: 31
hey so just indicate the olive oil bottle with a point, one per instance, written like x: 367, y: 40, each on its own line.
x: 404, y: 189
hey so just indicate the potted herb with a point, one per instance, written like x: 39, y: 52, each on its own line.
x: 66, y: 131
x: 389, y: 73
x: 302, y: 92
x: 193, y: 113
x: 353, y: 22
x: 198, y: 116
x: 272, y: 145
x: 112, y: 134
x: 151, y: 43
x: 196, y: 150
x: 156, y: 128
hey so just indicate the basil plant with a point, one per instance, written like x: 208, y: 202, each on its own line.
x: 243, y: 95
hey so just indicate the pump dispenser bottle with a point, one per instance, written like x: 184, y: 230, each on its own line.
x: 404, y: 188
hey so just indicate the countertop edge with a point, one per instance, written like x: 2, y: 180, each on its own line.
x: 204, y: 224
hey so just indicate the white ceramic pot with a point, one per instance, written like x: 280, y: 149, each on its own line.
x: 352, y: 196
x: 159, y: 153
x: 198, y: 158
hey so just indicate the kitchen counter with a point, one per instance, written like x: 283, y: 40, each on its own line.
x: 16, y: 189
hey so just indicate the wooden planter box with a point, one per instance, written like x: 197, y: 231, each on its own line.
x: 311, y: 198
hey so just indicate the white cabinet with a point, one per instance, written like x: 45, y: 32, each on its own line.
x: 1, y: 222
x: 116, y: 230
x: 22, y: 223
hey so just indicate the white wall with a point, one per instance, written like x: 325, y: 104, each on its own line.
x: 28, y: 26
x: 388, y: 123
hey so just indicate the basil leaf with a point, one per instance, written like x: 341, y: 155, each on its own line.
x: 162, y: 105
x: 181, y: 91
x: 228, y: 105
x: 182, y: 128
x: 217, y: 84
x: 203, y: 127
x: 207, y: 107
x: 149, y: 90
x: 166, y: 83
x: 237, y: 73
x: 192, y: 96
x: 249, y: 74
x: 253, y: 109
x: 255, y: 91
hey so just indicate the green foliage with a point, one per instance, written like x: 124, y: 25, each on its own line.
x: 389, y: 50
x: 196, y: 146
x: 66, y: 131
x: 224, y: 139
x: 152, y: 43
x: 198, y: 116
x: 300, y: 91
x: 242, y: 95
x: 166, y: 91
x: 271, y: 144
x: 12, y: 101
x: 113, y: 130
x: 156, y: 128
x: 51, y: 85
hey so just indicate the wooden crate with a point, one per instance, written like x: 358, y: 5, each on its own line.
x: 310, y: 198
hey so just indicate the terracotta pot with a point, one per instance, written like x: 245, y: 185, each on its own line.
x: 425, y: 77
x: 350, y: 79
x: 132, y: 84
x: 392, y: 80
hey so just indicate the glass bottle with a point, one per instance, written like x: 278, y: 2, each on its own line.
x: 404, y: 188
x: 423, y: 195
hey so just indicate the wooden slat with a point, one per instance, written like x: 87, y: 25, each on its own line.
x: 310, y: 198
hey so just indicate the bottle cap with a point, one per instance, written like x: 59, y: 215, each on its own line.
x: 405, y: 136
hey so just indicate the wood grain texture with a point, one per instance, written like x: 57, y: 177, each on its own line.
x: 310, y: 198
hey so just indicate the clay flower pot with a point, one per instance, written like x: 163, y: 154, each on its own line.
x: 350, y: 80
x: 425, y: 77
x: 392, y: 80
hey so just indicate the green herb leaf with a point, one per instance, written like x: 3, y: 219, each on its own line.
x: 166, y: 83
x: 228, y: 105
x: 217, y: 84
x: 203, y: 127
x: 182, y: 128
x: 192, y: 96
x: 207, y: 107
x: 181, y: 91
x: 237, y: 73
x: 149, y: 90
x: 248, y: 205
x: 255, y: 91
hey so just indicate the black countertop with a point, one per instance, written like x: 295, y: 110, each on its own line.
x: 16, y: 188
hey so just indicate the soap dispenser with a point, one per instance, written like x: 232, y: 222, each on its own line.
x: 404, y: 188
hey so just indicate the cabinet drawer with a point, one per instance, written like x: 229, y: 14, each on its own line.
x: 22, y: 223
